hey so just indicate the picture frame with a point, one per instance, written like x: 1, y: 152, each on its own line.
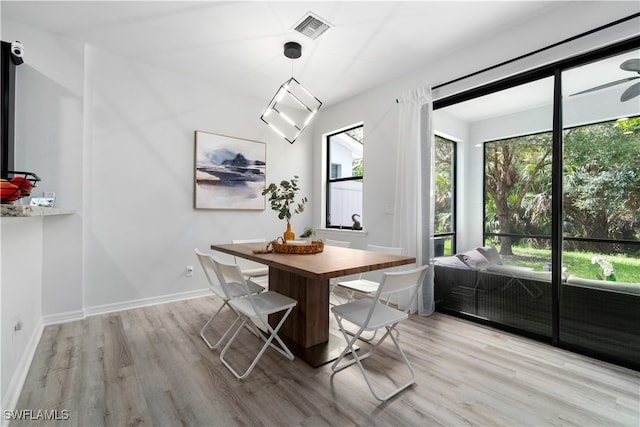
x: 229, y: 172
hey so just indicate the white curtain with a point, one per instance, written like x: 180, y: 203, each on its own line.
x: 414, y: 207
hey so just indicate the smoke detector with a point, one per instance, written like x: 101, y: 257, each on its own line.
x: 312, y: 26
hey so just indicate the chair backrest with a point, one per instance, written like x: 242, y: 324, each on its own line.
x: 245, y: 263
x: 258, y: 240
x: 339, y: 243
x: 229, y: 274
x: 206, y: 261
x: 385, y: 249
x: 399, y: 281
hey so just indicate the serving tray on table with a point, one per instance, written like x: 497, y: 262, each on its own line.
x: 302, y: 247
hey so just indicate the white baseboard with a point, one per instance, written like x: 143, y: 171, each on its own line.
x: 10, y: 399
x: 70, y: 316
x: 144, y: 302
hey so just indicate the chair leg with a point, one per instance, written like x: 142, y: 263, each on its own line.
x: 283, y: 349
x: 361, y: 338
x: 273, y: 334
x: 538, y: 292
x: 332, y: 288
x: 212, y: 346
x: 357, y: 359
x: 251, y: 327
x: 515, y: 280
x: 348, y: 348
x: 406, y: 361
x: 226, y: 347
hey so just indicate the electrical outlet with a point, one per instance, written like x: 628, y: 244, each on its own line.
x: 17, y: 327
x: 189, y: 270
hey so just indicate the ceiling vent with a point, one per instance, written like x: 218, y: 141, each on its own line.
x: 312, y: 26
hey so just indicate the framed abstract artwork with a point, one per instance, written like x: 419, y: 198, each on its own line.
x: 229, y: 173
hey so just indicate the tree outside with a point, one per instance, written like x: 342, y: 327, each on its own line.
x: 601, y: 187
x: 518, y: 187
x: 602, y: 184
x: 444, y: 167
x: 357, y: 168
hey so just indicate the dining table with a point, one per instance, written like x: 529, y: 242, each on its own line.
x: 305, y: 278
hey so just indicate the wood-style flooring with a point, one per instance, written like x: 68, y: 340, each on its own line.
x: 149, y: 366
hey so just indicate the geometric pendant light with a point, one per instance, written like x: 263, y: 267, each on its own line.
x: 293, y: 106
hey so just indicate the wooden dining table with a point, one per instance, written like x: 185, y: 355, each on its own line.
x: 305, y: 278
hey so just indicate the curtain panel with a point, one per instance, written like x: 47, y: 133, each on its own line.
x: 414, y: 207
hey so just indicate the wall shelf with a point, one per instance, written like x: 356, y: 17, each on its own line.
x: 17, y: 211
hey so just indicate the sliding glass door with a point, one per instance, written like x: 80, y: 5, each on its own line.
x: 504, y: 193
x: 548, y: 189
x: 600, y: 293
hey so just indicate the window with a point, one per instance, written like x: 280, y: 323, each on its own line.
x: 517, y: 198
x: 336, y: 170
x: 445, y: 197
x: 345, y: 178
x: 601, y: 200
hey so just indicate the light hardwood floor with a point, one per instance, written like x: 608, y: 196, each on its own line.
x: 149, y: 366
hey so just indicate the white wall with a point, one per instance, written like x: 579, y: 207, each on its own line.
x: 114, y: 139
x: 20, y: 297
x: 48, y: 135
x: 42, y: 258
x: 141, y: 225
x: 379, y: 117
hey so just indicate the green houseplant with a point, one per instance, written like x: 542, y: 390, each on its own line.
x: 308, y: 232
x: 282, y: 198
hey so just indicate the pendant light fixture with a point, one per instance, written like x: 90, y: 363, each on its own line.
x: 293, y: 106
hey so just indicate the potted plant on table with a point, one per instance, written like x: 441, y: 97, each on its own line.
x: 308, y: 233
x: 282, y: 198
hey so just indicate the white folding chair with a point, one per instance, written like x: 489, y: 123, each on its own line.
x: 252, y: 270
x: 333, y: 282
x: 339, y: 243
x: 372, y: 315
x: 256, y: 307
x: 232, y: 291
x: 363, y: 284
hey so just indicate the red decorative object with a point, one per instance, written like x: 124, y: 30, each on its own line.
x: 20, y: 185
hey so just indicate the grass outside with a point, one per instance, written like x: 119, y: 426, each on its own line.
x: 626, y: 268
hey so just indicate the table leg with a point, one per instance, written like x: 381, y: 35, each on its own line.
x: 308, y: 323
x: 306, y: 330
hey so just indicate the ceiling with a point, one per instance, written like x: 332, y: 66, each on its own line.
x: 240, y: 43
x: 539, y: 93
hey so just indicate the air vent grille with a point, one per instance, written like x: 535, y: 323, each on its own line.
x: 312, y: 26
